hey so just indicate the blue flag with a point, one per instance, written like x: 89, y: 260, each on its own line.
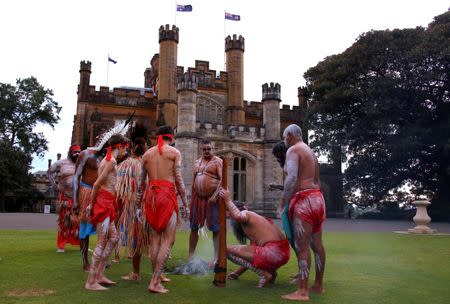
x: 184, y: 8
x: 232, y: 17
x: 112, y: 60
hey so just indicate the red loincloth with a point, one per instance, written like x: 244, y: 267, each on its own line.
x: 160, y: 203
x: 272, y: 255
x: 103, y: 207
x: 84, y: 197
x: 309, y: 206
x: 68, y: 227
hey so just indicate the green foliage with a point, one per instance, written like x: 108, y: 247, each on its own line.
x: 361, y: 268
x: 386, y: 101
x: 23, y: 107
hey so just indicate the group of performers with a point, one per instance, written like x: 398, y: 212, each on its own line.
x: 132, y: 196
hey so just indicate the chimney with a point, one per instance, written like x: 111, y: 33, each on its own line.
x: 49, y: 163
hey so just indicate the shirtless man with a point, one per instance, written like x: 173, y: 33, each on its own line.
x: 269, y: 248
x: 85, y: 176
x: 162, y: 165
x: 207, y: 178
x: 103, y: 212
x: 60, y: 176
x: 306, y: 210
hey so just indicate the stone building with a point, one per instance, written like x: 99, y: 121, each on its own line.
x: 201, y: 103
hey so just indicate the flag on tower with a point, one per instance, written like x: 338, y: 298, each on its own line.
x: 232, y: 17
x: 112, y: 60
x: 184, y: 8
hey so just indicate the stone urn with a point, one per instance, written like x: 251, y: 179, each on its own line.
x: 421, y: 218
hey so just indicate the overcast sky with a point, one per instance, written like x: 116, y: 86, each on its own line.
x: 48, y: 39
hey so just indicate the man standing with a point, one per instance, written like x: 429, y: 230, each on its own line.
x: 269, y: 248
x: 60, y: 175
x: 103, y: 212
x: 86, y: 174
x: 306, y: 210
x: 162, y: 165
x: 207, y: 178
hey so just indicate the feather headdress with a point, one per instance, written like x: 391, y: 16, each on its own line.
x: 121, y: 128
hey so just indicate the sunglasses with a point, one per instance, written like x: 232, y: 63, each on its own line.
x: 207, y: 149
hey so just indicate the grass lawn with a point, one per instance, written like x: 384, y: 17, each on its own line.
x: 361, y: 268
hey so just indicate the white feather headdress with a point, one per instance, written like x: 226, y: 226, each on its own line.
x: 120, y: 128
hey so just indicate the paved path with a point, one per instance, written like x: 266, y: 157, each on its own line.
x: 36, y: 221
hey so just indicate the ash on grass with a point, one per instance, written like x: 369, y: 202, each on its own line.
x: 195, y: 265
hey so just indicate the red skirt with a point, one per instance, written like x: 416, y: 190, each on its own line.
x: 272, y: 255
x: 160, y: 203
x: 309, y: 206
x: 103, y: 207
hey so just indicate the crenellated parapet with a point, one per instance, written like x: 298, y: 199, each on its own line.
x: 271, y: 92
x: 85, y: 66
x: 234, y: 43
x: 167, y: 33
x: 187, y: 82
x: 207, y: 78
x: 238, y: 133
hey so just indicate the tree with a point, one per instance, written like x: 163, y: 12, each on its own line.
x: 386, y: 101
x: 22, y: 107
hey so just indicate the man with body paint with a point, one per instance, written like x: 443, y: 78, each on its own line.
x: 269, y: 248
x: 162, y: 166
x: 85, y: 176
x: 206, y: 185
x: 102, y: 213
x: 60, y: 175
x: 306, y: 210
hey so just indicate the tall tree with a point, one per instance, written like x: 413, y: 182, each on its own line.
x: 386, y: 101
x: 22, y: 107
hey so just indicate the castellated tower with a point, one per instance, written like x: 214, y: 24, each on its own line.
x: 166, y: 112
x: 271, y: 98
x: 186, y: 137
x: 234, y: 49
x: 79, y: 135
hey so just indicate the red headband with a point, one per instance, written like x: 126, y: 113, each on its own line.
x: 161, y: 141
x: 74, y: 148
x: 109, y: 150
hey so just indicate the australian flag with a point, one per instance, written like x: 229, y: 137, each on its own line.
x: 112, y: 60
x: 232, y: 17
x: 184, y: 8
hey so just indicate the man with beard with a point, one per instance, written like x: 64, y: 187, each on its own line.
x: 269, y: 248
x: 207, y: 178
x: 306, y: 210
x: 162, y: 166
x: 86, y: 169
x: 60, y: 175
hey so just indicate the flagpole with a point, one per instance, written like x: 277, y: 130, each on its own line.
x: 175, y: 15
x: 107, y: 72
x: 224, y: 37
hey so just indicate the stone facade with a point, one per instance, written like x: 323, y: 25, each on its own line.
x: 201, y: 103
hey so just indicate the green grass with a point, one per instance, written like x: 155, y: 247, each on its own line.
x: 361, y: 268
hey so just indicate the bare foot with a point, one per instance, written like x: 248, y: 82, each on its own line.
x: 164, y: 279
x: 132, y: 277
x: 297, y: 296
x: 96, y: 286
x: 267, y: 277
x: 104, y: 280
x: 232, y: 276
x: 316, y: 288
x: 115, y: 260
x: 158, y: 289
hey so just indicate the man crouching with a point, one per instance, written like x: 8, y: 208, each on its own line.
x: 269, y: 248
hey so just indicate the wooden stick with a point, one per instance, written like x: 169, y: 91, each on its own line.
x: 220, y: 268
